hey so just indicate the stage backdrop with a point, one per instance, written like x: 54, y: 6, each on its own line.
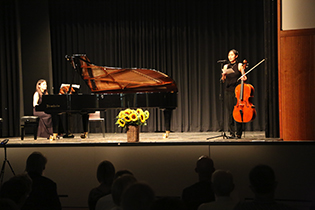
x: 183, y: 39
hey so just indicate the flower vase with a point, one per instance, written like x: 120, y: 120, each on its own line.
x: 133, y: 133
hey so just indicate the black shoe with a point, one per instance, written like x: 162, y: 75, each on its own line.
x: 232, y: 136
x: 239, y: 136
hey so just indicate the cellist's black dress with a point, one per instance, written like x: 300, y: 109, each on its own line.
x: 230, y: 100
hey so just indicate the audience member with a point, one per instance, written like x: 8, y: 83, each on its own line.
x: 200, y: 192
x: 44, y: 190
x: 119, y: 186
x: 168, y: 203
x: 14, y: 192
x: 263, y: 184
x: 223, y: 185
x: 122, y: 172
x: 105, y: 176
x: 138, y: 196
x: 107, y: 202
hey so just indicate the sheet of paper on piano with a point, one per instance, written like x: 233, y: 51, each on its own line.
x: 68, y: 85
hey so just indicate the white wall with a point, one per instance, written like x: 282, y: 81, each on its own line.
x: 298, y: 14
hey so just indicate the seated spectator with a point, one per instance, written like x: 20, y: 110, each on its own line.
x: 138, y: 196
x: 44, y: 191
x: 223, y: 185
x: 200, y: 192
x: 107, y: 202
x: 122, y: 172
x: 14, y: 192
x: 105, y: 176
x: 263, y: 184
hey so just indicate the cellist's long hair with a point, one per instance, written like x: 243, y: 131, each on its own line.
x: 39, y: 82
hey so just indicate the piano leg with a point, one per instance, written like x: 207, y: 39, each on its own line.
x: 68, y: 131
x: 85, y: 123
x: 167, y: 122
x: 57, y: 126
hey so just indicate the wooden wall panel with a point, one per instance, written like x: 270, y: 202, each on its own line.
x: 296, y: 85
x: 296, y: 62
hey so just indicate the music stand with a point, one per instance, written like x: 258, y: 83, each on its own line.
x: 3, y: 143
x: 223, y: 134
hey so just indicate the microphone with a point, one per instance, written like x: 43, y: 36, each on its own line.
x: 222, y: 61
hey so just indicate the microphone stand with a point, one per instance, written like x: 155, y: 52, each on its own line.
x: 4, y: 142
x: 221, y: 97
x: 68, y: 115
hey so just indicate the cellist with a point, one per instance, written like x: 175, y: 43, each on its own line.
x: 230, y: 74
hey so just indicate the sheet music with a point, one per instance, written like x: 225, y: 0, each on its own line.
x: 228, y: 71
x: 68, y: 85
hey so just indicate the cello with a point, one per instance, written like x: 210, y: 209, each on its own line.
x: 244, y: 111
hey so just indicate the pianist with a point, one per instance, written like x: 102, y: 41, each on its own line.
x: 45, y: 126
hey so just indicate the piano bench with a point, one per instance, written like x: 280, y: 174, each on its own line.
x: 29, y: 121
x: 95, y: 117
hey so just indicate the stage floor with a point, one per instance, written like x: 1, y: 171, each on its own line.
x: 145, y: 138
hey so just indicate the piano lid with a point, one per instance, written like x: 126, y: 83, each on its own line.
x: 102, y: 79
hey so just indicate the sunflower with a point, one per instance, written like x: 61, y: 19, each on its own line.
x: 121, y: 114
x: 121, y: 123
x: 134, y: 116
x: 147, y: 114
x: 139, y: 111
x: 142, y: 117
x: 127, y: 118
x: 127, y: 111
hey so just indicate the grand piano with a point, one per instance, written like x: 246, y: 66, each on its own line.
x: 114, y: 88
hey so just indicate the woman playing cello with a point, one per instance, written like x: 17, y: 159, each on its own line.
x: 230, y: 74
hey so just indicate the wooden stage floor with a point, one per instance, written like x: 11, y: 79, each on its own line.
x: 145, y: 138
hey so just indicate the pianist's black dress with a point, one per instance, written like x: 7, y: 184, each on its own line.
x: 45, y: 125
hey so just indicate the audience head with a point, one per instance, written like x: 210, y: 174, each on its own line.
x: 105, y: 172
x: 262, y: 179
x: 222, y: 183
x: 122, y: 172
x: 16, y: 189
x: 119, y: 185
x: 138, y: 196
x: 36, y: 163
x: 205, y: 166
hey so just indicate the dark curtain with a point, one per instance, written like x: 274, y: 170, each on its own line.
x: 183, y: 39
x: 9, y: 68
x: 271, y: 70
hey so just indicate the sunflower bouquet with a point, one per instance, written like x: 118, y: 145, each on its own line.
x: 132, y: 117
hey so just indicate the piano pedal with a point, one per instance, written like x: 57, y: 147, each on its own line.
x: 166, y: 134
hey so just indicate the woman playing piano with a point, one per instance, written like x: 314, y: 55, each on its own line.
x: 48, y: 124
x: 45, y: 126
